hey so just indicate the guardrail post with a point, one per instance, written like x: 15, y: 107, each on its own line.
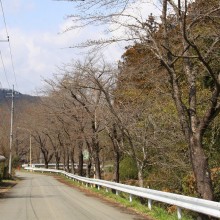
x: 98, y: 187
x: 106, y: 189
x: 117, y: 192
x: 179, y: 213
x: 149, y: 202
x: 130, y: 198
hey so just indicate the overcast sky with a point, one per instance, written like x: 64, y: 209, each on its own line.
x: 37, y: 47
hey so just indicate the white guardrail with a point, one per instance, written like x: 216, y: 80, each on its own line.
x: 182, y: 202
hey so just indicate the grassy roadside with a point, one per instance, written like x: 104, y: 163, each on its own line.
x: 158, y: 212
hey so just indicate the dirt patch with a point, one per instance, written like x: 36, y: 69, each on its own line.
x: 6, y: 185
x: 89, y: 193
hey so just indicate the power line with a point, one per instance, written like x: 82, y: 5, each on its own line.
x: 4, y: 18
x: 4, y: 69
x: 6, y: 101
x: 12, y: 63
x: 10, y: 50
x: 11, y: 131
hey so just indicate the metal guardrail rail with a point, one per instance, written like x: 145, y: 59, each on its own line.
x: 182, y: 202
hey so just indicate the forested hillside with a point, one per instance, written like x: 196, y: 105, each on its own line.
x: 22, y: 105
x: 5, y: 96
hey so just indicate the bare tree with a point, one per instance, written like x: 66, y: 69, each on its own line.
x: 125, y: 122
x: 187, y: 49
x: 80, y: 106
x: 41, y: 140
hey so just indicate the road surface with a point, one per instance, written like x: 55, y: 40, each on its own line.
x: 41, y: 197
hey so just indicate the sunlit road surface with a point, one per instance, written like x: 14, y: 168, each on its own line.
x: 43, y: 197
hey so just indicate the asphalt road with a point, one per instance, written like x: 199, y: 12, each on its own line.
x: 40, y: 197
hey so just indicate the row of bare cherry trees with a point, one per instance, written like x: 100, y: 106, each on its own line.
x: 88, y: 106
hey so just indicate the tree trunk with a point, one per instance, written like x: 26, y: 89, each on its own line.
x: 72, y: 161
x: 64, y: 159
x: 57, y: 158
x: 96, y: 149
x: 140, y: 177
x: 80, y: 167
x: 57, y: 165
x: 45, y: 155
x: 89, y: 162
x: 201, y: 168
x: 97, y: 165
x: 115, y: 141
x: 46, y: 164
x: 116, y: 167
x: 140, y: 168
x: 68, y: 161
x: 88, y: 170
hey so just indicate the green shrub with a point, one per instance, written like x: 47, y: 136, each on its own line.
x: 128, y: 169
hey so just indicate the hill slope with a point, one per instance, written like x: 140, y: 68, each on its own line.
x: 5, y: 96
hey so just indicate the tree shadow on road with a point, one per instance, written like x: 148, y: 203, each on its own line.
x: 5, y: 186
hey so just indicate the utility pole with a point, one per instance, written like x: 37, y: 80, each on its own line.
x: 11, y: 132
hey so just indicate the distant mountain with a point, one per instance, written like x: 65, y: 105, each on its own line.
x: 5, y: 96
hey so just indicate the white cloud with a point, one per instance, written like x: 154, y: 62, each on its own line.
x: 126, y: 25
x: 15, y: 6
x: 36, y: 55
